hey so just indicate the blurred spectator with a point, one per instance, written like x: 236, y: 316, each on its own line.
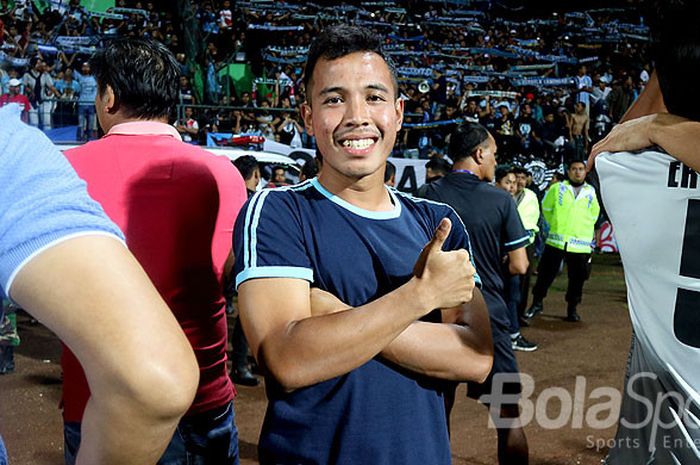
x: 39, y: 87
x: 87, y: 117
x: 289, y: 130
x: 584, y: 87
x: 187, y: 126
x: 279, y: 177
x: 436, y: 168
x: 390, y: 174
x: 505, y: 179
x: 14, y: 96
x: 579, y: 132
x: 226, y: 16
x: 526, y: 128
x: 309, y: 170
x: 186, y: 95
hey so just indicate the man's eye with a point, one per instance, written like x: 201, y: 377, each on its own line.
x: 376, y: 98
x: 332, y: 100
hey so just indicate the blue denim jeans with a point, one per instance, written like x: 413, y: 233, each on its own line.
x: 3, y: 453
x: 208, y: 438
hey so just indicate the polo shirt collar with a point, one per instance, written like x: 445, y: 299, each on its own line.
x: 144, y: 128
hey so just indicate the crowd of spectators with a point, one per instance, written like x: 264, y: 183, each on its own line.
x: 546, y: 87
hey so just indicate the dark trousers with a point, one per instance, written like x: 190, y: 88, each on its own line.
x: 513, y: 298
x: 525, y: 279
x: 209, y: 438
x: 577, y: 265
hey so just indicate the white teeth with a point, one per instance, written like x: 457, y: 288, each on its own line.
x: 358, y: 144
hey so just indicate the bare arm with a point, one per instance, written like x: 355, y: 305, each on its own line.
x: 646, y: 123
x: 94, y: 295
x: 458, y: 349
x: 300, y: 349
x: 517, y: 261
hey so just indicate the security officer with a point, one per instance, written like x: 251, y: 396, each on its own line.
x: 571, y: 208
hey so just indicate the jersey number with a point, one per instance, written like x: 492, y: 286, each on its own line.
x: 686, y: 319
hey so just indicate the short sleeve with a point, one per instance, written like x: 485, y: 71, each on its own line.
x: 459, y: 239
x: 514, y: 234
x: 42, y: 201
x: 268, y: 239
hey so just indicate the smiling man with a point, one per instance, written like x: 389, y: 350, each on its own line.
x: 360, y: 381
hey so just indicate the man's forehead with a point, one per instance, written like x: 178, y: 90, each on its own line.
x: 381, y: 77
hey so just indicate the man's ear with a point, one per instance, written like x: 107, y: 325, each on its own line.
x: 108, y: 100
x: 306, y: 115
x: 478, y: 155
x: 399, y: 106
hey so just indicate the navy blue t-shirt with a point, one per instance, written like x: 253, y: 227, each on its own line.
x: 378, y: 413
x: 492, y: 220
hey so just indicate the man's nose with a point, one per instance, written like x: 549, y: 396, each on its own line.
x: 357, y: 112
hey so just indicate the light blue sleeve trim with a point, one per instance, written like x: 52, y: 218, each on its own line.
x: 307, y: 274
x: 522, y: 239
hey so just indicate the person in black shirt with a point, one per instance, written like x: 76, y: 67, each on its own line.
x: 494, y: 225
x: 527, y: 130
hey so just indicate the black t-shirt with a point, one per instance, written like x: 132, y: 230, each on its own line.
x: 494, y: 227
x: 525, y: 126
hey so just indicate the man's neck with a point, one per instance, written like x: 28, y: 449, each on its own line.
x: 368, y: 192
x: 468, y: 165
x: 117, y: 119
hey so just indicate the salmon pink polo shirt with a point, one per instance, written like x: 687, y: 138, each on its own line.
x: 176, y: 204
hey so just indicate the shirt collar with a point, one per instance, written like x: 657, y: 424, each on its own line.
x: 144, y: 128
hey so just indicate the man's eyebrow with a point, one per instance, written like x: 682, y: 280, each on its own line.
x: 330, y: 90
x: 339, y: 89
x: 378, y: 86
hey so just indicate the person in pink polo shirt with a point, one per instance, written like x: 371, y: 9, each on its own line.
x: 176, y: 204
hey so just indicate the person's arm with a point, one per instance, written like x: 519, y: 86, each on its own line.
x: 487, y: 109
x: 458, y: 349
x: 548, y: 203
x: 645, y: 124
x: 675, y: 134
x: 299, y: 349
x: 93, y: 294
x: 517, y: 261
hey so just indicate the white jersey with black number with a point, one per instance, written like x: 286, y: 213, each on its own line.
x: 653, y: 201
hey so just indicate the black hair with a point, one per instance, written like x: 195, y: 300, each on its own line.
x: 568, y: 165
x: 390, y: 171
x: 247, y: 165
x: 341, y: 40
x: 520, y: 170
x: 465, y: 139
x: 310, y: 169
x: 439, y: 165
x: 143, y: 74
x: 503, y: 171
x: 677, y: 53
